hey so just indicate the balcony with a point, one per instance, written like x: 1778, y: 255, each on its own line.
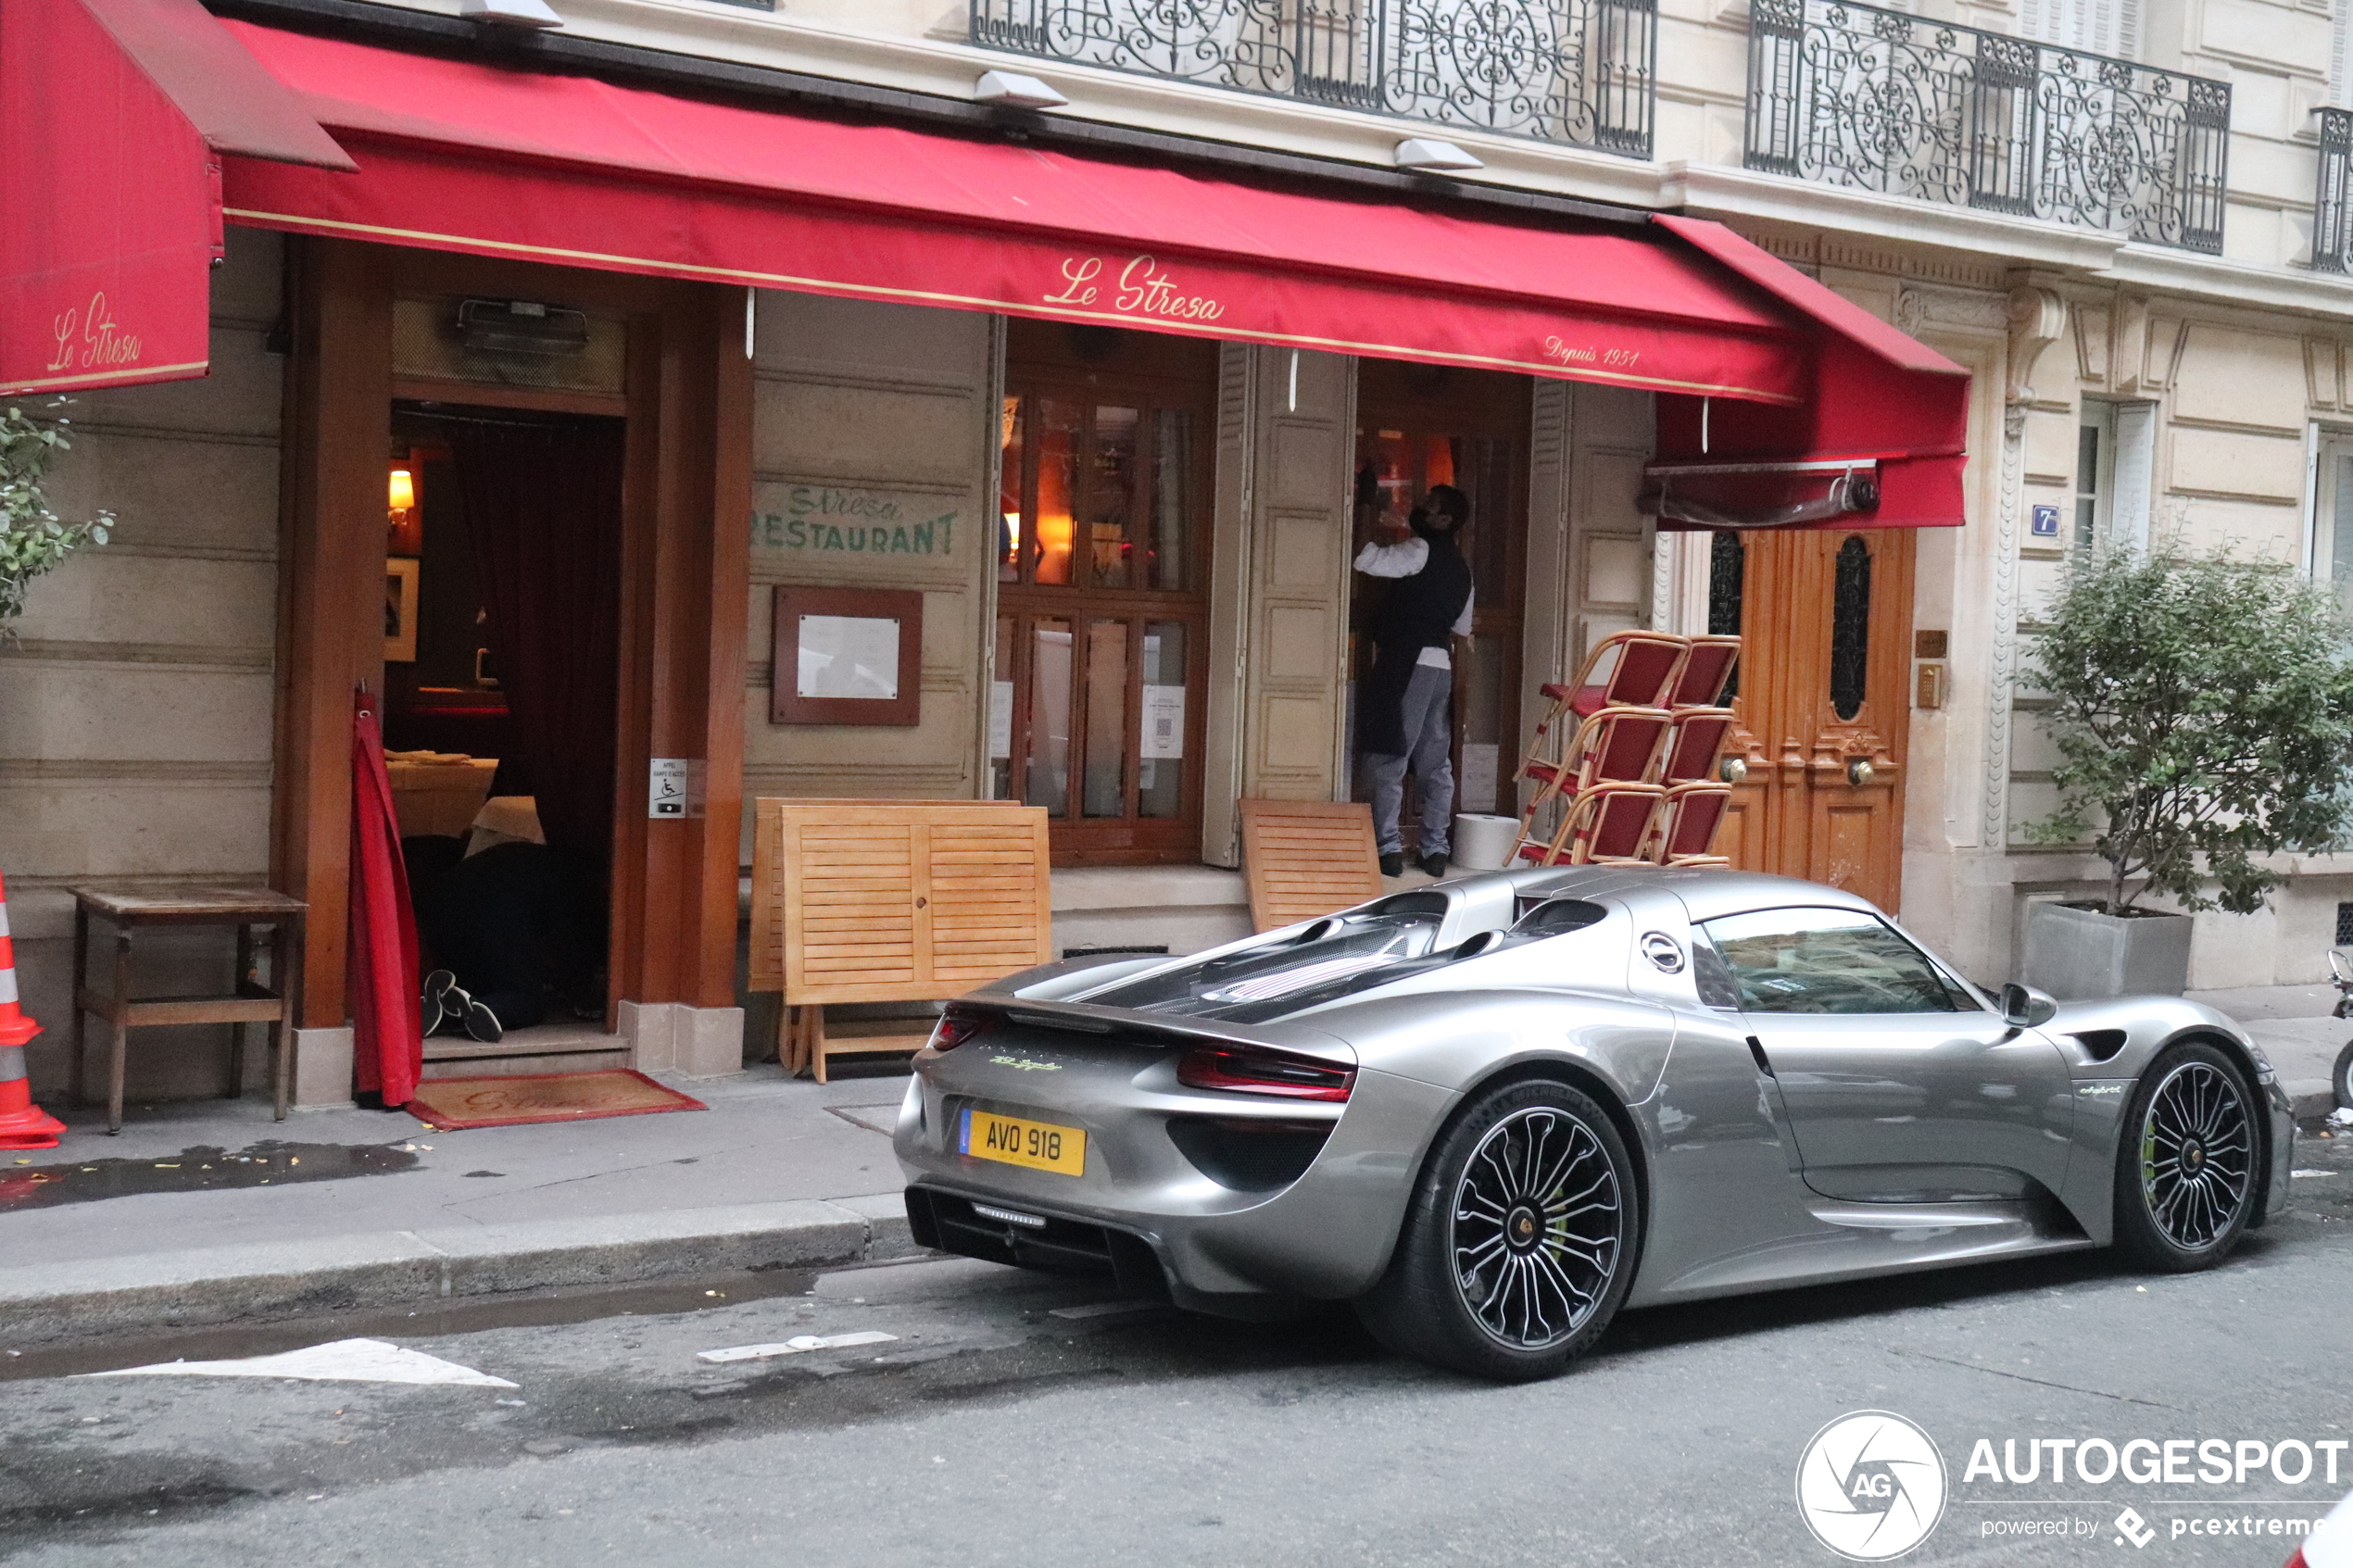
x: 1875, y: 100
x: 1578, y: 71
x: 2333, y: 195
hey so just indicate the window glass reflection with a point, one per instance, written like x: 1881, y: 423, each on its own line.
x: 1106, y: 786
x: 1046, y: 774
x: 1057, y: 432
x: 1111, y: 502
x: 1160, y: 770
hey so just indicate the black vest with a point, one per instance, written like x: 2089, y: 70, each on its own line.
x: 1419, y: 613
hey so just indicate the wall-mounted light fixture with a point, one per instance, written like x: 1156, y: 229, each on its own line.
x: 1012, y: 90
x: 1428, y: 155
x: 402, y: 494
x: 526, y: 14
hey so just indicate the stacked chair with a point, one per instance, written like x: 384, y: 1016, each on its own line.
x: 1629, y: 752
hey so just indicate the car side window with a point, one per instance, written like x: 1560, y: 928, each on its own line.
x: 1717, y: 986
x: 1828, y: 961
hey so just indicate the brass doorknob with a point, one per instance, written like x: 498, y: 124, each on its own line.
x: 1860, y: 771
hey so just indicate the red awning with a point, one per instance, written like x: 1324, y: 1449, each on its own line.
x: 1880, y: 444
x: 114, y: 115
x: 473, y: 157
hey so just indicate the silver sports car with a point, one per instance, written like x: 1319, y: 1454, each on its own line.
x: 1493, y: 1110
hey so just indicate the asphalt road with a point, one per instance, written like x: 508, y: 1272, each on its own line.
x: 995, y: 1428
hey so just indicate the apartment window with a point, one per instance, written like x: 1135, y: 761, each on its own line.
x: 2340, y: 48
x: 2333, y: 516
x: 2098, y: 27
x: 2115, y: 466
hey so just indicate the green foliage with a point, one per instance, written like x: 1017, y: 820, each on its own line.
x: 2204, y: 712
x: 32, y: 538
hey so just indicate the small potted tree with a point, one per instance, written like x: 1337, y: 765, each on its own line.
x: 32, y: 538
x: 2202, y: 708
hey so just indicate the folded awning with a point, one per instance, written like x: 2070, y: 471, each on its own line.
x: 114, y: 116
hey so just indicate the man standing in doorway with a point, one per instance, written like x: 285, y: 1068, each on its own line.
x: 1404, y: 704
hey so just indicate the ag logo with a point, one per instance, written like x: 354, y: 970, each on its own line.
x: 1871, y: 1485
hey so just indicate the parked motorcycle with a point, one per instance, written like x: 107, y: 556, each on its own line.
x: 2341, y: 1075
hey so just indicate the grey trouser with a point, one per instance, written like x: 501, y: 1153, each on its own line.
x: 1429, y: 752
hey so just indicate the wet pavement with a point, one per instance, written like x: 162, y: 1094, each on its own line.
x: 1021, y: 1419
x: 26, y: 1184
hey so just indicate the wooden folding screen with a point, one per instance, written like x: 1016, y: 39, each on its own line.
x: 891, y: 901
x: 1302, y: 859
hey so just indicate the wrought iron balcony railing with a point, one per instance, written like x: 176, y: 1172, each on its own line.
x: 1566, y: 70
x: 1875, y: 100
x: 2333, y: 195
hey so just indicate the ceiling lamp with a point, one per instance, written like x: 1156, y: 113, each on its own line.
x: 1010, y: 89
x: 509, y: 13
x: 1427, y: 154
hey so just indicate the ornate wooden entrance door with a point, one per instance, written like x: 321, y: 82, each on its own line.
x: 1823, y: 698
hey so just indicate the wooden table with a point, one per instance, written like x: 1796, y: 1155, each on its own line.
x: 128, y: 909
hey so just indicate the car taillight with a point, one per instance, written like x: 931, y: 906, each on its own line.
x: 1251, y: 1070
x: 952, y: 1030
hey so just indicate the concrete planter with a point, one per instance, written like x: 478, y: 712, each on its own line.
x: 2077, y: 954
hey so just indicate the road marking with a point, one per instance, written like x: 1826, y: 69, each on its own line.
x: 344, y: 1360
x: 797, y: 1345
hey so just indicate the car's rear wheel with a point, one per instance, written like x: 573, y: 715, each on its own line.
x: 1518, y: 1245
x: 2190, y: 1159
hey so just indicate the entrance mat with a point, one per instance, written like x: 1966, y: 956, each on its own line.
x: 457, y: 1103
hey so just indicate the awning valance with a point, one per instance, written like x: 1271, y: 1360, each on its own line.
x: 114, y: 116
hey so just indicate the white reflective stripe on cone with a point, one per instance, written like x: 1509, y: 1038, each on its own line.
x: 8, y: 985
x: 11, y: 1064
x: 3, y: 920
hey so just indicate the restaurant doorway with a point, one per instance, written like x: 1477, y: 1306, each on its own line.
x: 1420, y: 425
x: 502, y: 670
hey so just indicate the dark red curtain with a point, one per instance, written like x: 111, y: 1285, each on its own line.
x: 387, y: 1013
x: 543, y: 506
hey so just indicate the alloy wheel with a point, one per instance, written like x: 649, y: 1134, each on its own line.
x: 2197, y: 1155
x: 1538, y: 1228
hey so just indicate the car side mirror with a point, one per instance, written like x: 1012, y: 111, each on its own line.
x: 2025, y: 1008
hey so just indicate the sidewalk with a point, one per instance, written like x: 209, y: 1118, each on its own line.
x: 776, y: 1173
x: 132, y: 1235
x: 2293, y: 1027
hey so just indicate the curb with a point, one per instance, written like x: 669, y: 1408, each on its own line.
x: 51, y: 1303
x: 2309, y: 1097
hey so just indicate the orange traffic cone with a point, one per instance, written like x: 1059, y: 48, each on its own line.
x: 22, y: 1123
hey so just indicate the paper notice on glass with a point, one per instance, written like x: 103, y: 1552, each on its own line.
x: 1477, y: 791
x: 851, y: 656
x: 1163, y: 721
x: 1000, y: 720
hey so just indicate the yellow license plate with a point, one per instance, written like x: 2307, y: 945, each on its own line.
x: 1009, y: 1140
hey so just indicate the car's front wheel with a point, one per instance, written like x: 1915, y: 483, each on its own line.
x: 1519, y: 1242
x: 2189, y: 1167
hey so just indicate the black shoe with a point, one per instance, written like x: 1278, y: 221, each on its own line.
x: 1394, y: 863
x: 437, y: 1010
x: 481, y: 1022
x: 1432, y: 865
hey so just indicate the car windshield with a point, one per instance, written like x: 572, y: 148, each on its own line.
x: 1330, y: 960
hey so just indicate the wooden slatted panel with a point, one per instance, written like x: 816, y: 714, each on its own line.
x: 991, y: 907
x: 881, y: 901
x: 1302, y: 859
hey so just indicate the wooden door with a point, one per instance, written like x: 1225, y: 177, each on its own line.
x: 1102, y: 610
x: 1825, y: 618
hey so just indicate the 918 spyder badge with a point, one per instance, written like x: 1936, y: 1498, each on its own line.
x: 1025, y: 1064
